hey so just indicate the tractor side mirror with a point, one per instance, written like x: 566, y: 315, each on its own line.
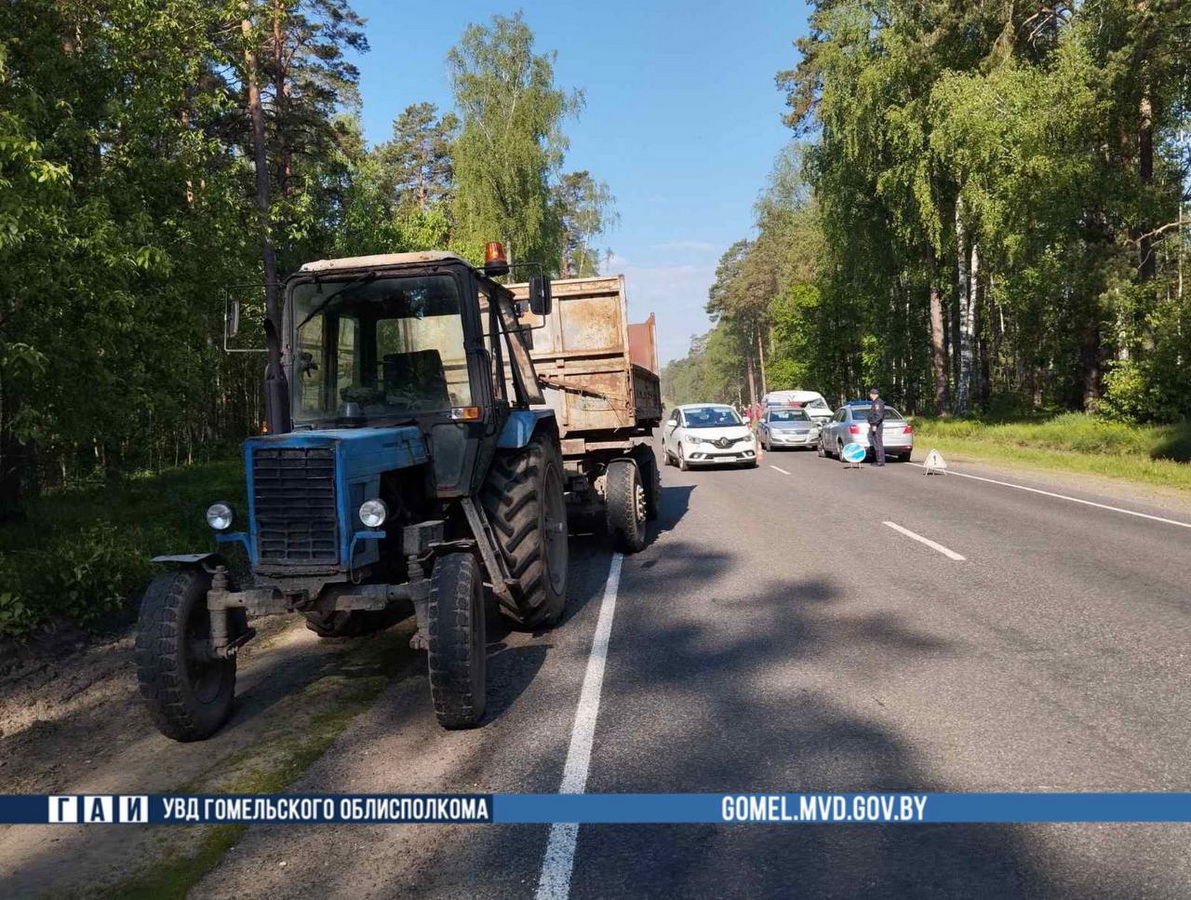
x: 231, y: 319
x: 541, y: 300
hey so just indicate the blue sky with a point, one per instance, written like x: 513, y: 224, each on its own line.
x: 682, y: 120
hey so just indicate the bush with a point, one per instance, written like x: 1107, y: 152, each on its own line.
x: 83, y: 554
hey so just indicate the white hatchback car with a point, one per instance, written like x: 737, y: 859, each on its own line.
x: 705, y: 434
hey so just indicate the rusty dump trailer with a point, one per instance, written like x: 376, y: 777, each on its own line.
x: 600, y: 375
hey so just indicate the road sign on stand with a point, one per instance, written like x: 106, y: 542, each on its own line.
x: 935, y: 464
x: 852, y: 455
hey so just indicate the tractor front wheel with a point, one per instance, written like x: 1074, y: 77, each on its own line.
x: 458, y: 653
x: 187, y: 691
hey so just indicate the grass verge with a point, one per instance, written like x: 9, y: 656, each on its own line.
x: 1072, y: 442
x: 297, y: 737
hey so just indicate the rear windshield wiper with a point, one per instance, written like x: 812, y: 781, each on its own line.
x: 355, y: 282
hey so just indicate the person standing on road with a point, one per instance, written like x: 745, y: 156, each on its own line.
x: 876, y: 421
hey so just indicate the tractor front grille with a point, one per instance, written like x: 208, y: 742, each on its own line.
x: 294, y: 499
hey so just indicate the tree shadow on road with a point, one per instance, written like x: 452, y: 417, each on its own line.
x: 736, y: 695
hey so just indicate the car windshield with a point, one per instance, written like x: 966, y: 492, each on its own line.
x: 818, y: 404
x: 393, y: 345
x: 891, y: 414
x: 712, y: 417
x: 788, y: 415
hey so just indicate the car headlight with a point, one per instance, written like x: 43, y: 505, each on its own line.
x: 373, y: 513
x: 690, y: 438
x: 219, y: 516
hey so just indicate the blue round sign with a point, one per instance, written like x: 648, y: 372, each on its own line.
x: 854, y: 452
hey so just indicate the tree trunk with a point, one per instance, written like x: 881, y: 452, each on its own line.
x: 761, y: 359
x: 938, y: 350
x: 13, y: 458
x: 1091, y: 365
x: 281, y: 102
x: 276, y: 390
x: 1145, y: 165
x: 969, y: 329
x: 964, y: 338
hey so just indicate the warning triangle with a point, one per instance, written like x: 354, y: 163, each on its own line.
x: 934, y: 460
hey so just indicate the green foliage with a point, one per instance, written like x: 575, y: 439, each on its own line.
x: 83, y: 553
x: 511, y: 144
x: 585, y: 211
x: 993, y: 206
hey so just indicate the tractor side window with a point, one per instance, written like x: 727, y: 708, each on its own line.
x: 346, y: 370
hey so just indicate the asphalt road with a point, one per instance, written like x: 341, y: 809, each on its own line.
x: 777, y: 635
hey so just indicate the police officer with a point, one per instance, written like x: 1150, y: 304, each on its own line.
x: 876, y: 419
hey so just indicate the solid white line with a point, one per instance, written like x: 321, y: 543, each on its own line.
x: 783, y: 471
x: 555, y: 880
x: 950, y: 554
x: 1022, y: 487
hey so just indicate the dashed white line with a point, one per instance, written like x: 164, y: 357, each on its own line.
x: 950, y: 554
x: 783, y: 471
x: 1022, y: 487
x: 559, y: 860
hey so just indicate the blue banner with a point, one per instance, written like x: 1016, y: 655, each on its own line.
x: 405, y: 809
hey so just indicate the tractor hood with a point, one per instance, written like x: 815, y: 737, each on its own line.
x: 363, y: 451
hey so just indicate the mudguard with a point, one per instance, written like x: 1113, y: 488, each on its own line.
x: 204, y: 561
x: 520, y: 427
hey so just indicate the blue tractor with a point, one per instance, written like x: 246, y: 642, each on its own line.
x: 404, y: 465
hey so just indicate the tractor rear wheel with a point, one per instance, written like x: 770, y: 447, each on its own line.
x: 626, y: 508
x: 458, y: 653
x: 526, y: 505
x: 188, y: 693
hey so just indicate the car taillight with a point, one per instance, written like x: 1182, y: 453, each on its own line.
x: 909, y: 429
x: 853, y: 429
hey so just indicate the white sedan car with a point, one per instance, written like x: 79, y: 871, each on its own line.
x: 705, y: 434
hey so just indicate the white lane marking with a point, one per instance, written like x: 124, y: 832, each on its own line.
x: 559, y: 860
x: 783, y: 471
x: 950, y: 554
x: 1022, y: 487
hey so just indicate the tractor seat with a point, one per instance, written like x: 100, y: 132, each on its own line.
x: 417, y: 380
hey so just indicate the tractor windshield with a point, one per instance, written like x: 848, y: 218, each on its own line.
x: 391, y: 345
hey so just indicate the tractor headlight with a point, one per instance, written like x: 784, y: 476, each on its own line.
x: 373, y: 513
x: 219, y: 516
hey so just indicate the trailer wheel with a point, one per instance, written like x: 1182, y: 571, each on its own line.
x: 626, y: 508
x: 458, y: 655
x: 348, y: 623
x: 526, y: 505
x: 188, y: 694
x: 651, y: 478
